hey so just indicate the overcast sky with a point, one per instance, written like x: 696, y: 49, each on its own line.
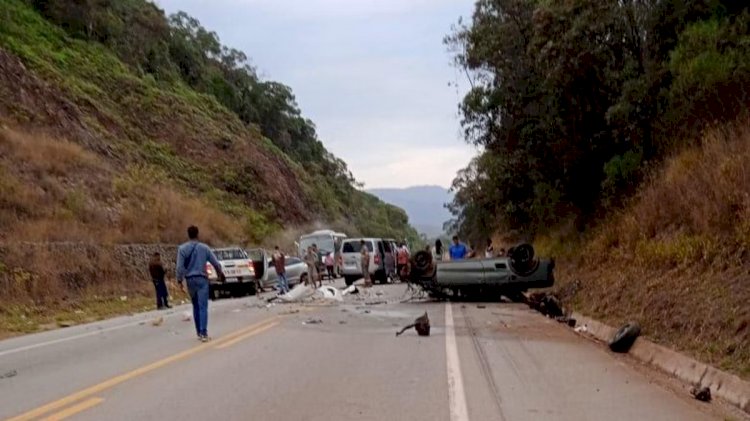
x: 373, y: 75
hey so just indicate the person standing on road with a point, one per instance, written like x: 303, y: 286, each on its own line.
x: 156, y: 269
x: 402, y: 259
x: 192, y: 258
x: 279, y: 263
x: 312, y: 266
x: 319, y: 269
x: 457, y: 250
x: 329, y: 266
x: 365, y: 263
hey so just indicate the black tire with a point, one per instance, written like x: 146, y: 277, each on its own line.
x: 249, y: 289
x: 522, y: 259
x: 212, y: 293
x: 624, y: 338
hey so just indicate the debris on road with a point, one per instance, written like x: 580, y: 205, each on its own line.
x: 294, y: 311
x: 331, y: 293
x: 567, y: 320
x: 157, y: 322
x: 298, y: 293
x: 702, y: 394
x: 624, y: 338
x: 312, y: 322
x: 186, y: 317
x: 421, y: 324
x: 342, y: 322
x: 481, y: 306
x: 374, y: 303
x: 581, y: 329
x: 547, y: 304
x: 9, y: 374
x: 65, y: 323
x: 351, y: 289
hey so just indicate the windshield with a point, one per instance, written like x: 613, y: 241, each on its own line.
x: 230, y: 254
x: 324, y: 242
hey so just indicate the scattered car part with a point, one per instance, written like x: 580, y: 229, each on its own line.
x: 331, y: 293
x: 299, y: 292
x: 421, y: 324
x: 702, y: 394
x: 624, y: 338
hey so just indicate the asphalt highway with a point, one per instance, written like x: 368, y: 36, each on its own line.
x: 339, y: 361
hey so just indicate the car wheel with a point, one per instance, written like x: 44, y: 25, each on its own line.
x: 212, y: 292
x: 250, y: 289
x: 625, y: 337
x: 303, y: 278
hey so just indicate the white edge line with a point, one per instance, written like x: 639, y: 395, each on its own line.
x: 456, y: 395
x: 68, y: 338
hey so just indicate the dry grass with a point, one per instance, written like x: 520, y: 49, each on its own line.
x: 53, y: 190
x: 676, y: 259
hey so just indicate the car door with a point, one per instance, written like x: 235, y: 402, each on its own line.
x: 260, y: 264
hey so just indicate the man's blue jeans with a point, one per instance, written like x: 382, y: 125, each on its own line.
x: 198, y: 290
x: 283, y: 284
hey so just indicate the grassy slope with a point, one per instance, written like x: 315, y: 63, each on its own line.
x: 675, y: 259
x: 91, y: 151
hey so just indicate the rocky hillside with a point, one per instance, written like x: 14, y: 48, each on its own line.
x: 121, y: 125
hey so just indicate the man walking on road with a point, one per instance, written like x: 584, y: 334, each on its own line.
x: 191, y: 266
x: 457, y: 250
x: 279, y: 263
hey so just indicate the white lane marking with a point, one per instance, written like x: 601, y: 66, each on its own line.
x: 145, y: 318
x: 68, y: 338
x: 456, y: 395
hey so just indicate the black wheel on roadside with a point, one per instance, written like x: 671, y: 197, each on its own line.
x: 212, y: 292
x: 625, y: 337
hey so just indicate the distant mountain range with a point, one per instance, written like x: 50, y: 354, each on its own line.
x: 423, y: 204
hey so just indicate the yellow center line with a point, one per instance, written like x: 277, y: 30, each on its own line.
x: 245, y: 336
x: 114, y: 381
x: 89, y: 403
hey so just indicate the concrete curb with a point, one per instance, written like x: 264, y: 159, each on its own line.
x: 722, y: 384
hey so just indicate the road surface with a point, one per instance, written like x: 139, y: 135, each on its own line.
x: 494, y: 361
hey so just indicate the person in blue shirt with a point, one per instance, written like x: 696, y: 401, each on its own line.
x: 191, y: 267
x: 457, y: 250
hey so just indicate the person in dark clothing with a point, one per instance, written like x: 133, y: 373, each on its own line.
x: 439, y: 249
x: 156, y: 269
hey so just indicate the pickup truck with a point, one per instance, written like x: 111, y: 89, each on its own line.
x: 239, y: 271
x: 482, y: 278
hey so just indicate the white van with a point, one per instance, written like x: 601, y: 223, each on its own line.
x: 352, y: 268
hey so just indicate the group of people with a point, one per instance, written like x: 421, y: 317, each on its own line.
x: 459, y: 251
x: 193, y: 256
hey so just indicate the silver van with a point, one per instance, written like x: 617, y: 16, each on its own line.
x: 352, y: 268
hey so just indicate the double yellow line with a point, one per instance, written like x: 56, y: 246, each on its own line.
x: 221, y: 343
